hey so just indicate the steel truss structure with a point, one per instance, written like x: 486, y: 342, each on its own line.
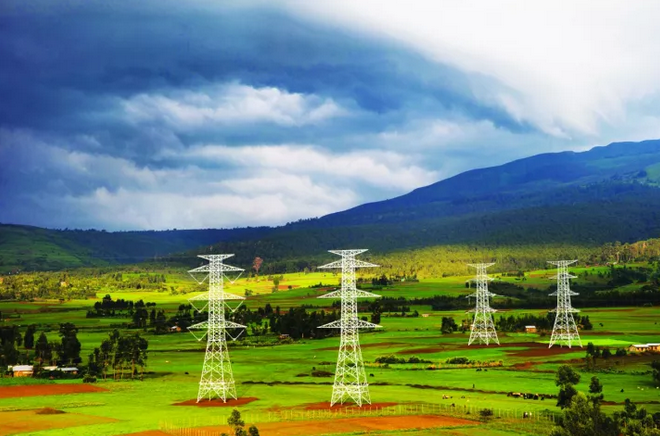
x: 564, y: 329
x: 483, y: 328
x: 350, y: 377
x: 217, y: 379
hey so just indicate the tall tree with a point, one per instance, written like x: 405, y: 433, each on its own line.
x: 596, y: 390
x: 655, y: 366
x: 28, y: 339
x: 42, y: 349
x: 581, y: 417
x: 137, y: 352
x: 566, y: 378
x: 70, y: 347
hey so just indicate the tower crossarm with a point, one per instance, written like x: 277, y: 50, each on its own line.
x: 221, y: 267
x: 339, y: 264
x: 356, y: 323
x: 205, y: 325
x: 355, y: 293
x: 563, y: 263
x: 221, y: 295
x: 349, y: 253
x: 569, y: 292
x: 482, y: 294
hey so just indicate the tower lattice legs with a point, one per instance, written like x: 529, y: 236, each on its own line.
x: 350, y: 376
x: 217, y: 380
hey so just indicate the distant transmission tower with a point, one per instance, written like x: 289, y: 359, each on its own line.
x: 217, y: 378
x: 483, y: 328
x: 350, y: 377
x: 564, y: 328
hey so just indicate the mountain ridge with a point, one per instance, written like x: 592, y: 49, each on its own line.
x: 603, y: 194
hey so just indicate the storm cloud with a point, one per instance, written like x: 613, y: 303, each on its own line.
x: 153, y: 115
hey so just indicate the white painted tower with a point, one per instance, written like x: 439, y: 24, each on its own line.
x: 350, y: 377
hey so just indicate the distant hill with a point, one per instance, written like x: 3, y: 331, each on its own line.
x: 606, y: 194
x: 34, y: 248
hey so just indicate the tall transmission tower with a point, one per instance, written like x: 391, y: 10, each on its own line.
x: 564, y: 328
x: 217, y: 377
x: 483, y: 328
x: 350, y: 377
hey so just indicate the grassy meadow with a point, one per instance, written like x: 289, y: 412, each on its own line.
x: 279, y: 375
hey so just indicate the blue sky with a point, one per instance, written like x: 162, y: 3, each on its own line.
x: 165, y: 114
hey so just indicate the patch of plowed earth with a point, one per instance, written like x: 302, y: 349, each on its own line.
x: 326, y: 406
x: 27, y: 421
x: 541, y: 350
x: 218, y: 402
x: 353, y: 425
x: 49, y: 389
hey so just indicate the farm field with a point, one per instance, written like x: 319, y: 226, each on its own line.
x: 277, y: 376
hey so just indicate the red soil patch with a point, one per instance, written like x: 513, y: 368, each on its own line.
x: 326, y: 406
x: 28, y: 421
x: 531, y: 349
x: 353, y: 425
x: 540, y: 350
x: 217, y: 402
x: 51, y: 389
x: 523, y: 366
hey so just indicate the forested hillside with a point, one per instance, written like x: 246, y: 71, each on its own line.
x: 32, y: 248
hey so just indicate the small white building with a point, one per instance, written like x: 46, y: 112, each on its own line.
x: 641, y: 348
x: 22, y: 370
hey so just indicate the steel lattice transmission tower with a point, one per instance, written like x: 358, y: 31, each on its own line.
x: 217, y: 377
x: 350, y: 377
x: 483, y: 328
x: 564, y: 328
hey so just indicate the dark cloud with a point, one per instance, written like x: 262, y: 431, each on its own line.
x: 69, y: 69
x: 59, y: 68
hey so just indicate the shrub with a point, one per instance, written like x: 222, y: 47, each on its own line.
x: 88, y: 378
x: 486, y: 413
x: 320, y: 373
x: 458, y: 361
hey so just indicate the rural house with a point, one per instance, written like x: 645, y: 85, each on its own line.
x: 643, y: 348
x: 530, y: 329
x: 22, y: 370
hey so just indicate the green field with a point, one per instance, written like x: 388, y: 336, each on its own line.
x: 279, y: 374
